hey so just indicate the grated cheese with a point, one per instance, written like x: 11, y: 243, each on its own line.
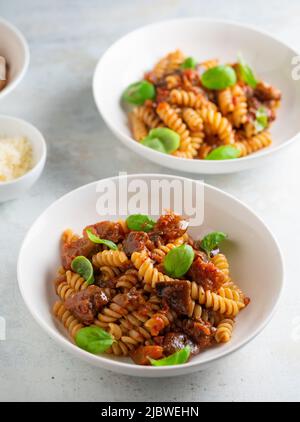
x: 15, y: 158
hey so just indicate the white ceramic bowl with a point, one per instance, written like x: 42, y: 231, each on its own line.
x: 128, y: 58
x: 14, y: 48
x: 253, y: 253
x: 12, y: 127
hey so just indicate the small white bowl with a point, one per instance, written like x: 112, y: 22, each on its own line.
x: 128, y: 58
x: 254, y: 256
x: 14, y: 48
x: 12, y: 127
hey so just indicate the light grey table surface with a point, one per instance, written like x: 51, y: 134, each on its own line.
x: 66, y: 39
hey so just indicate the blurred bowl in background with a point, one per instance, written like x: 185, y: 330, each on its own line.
x: 15, y: 50
x: 12, y: 127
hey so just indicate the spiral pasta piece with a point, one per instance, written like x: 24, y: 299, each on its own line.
x: 209, y: 64
x: 69, y: 236
x: 66, y: 318
x: 160, y: 252
x: 168, y: 64
x: 118, y: 348
x: 243, y: 148
x: 114, y: 330
x: 262, y: 140
x: 110, y: 258
x: 110, y: 313
x: 128, y: 280
x: 146, y: 270
x: 240, y: 110
x: 224, y: 330
x: 221, y: 262
x: 123, y: 224
x: 137, y: 126
x: 189, y: 99
x: 175, y: 59
x: 230, y: 294
x: 173, y: 81
x: 148, y: 116
x: 192, y: 119
x: 197, y: 140
x: 225, y: 101
x: 218, y: 125
x: 107, y: 272
x: 257, y: 142
x: 174, y: 122
x: 216, y: 302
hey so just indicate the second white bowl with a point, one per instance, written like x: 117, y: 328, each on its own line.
x: 127, y: 60
x: 14, y: 48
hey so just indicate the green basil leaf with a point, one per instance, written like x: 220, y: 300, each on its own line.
x: 169, y: 138
x: 138, y: 92
x: 178, y: 261
x: 224, y: 152
x: 93, y: 339
x: 212, y: 240
x: 219, y: 77
x: 140, y: 222
x: 154, y: 143
x: 95, y: 239
x: 246, y: 72
x: 261, y: 119
x: 176, y: 358
x: 82, y: 266
x: 189, y: 63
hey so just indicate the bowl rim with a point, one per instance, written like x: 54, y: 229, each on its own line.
x: 12, y: 85
x: 115, y: 365
x: 42, y: 141
x: 173, y: 159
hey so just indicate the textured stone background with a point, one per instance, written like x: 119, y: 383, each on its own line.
x: 66, y: 39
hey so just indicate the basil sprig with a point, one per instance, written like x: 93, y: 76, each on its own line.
x: 154, y: 143
x: 261, y: 119
x: 211, y: 241
x: 169, y: 140
x: 82, y: 266
x: 178, y: 261
x: 96, y: 239
x: 246, y: 72
x: 140, y: 222
x: 224, y: 152
x: 93, y: 339
x: 176, y: 358
x: 189, y: 63
x: 219, y: 77
x: 138, y: 92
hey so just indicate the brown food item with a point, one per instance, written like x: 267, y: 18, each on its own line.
x: 3, y: 72
x: 105, y: 283
x: 176, y: 341
x: 85, y: 304
x: 266, y: 92
x: 200, y: 332
x: 132, y: 299
x: 170, y: 226
x: 70, y: 250
x: 177, y: 294
x: 141, y: 354
x: 135, y: 242
x: 155, y: 238
x: 206, y: 274
x: 108, y: 230
x: 199, y: 252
